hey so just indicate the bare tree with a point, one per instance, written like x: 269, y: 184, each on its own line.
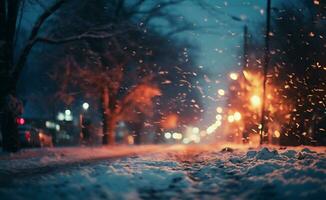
x: 109, y: 65
x: 105, y: 85
x: 11, y: 68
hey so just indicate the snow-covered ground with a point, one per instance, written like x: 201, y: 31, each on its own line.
x: 166, y: 172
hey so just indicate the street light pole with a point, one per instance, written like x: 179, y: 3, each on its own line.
x: 266, y: 62
x: 245, y: 46
x: 85, y: 107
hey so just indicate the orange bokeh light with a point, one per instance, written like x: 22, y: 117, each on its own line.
x: 255, y: 100
x: 170, y: 121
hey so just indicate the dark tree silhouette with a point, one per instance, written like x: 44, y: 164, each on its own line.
x: 140, y: 53
x: 11, y: 68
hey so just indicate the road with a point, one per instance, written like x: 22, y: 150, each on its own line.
x: 169, y: 172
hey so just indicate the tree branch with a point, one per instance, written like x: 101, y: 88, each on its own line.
x: 32, y: 38
x: 134, y: 8
x: 82, y: 36
x: 157, y: 10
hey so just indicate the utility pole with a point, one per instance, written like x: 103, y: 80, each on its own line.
x: 245, y: 46
x: 245, y: 134
x: 266, y: 62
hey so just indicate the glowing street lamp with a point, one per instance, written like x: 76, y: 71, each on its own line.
x: 211, y: 129
x: 218, y: 117
x: 68, y: 112
x: 186, y: 140
x: 177, y: 136
x: 61, y: 116
x: 67, y: 116
x: 85, y: 106
x: 234, y: 76
x: 218, y: 123
x: 277, y: 134
x: 255, y: 101
x: 168, y: 135
x: 195, y: 130
x: 230, y: 118
x: 219, y: 109
x: 221, y: 92
x: 237, y: 116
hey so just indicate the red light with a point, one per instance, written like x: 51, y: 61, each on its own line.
x: 20, y: 121
x: 27, y: 135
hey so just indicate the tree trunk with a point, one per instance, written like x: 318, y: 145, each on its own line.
x: 137, y: 128
x: 9, y: 130
x: 105, y: 115
x: 111, y: 130
x: 109, y: 122
x: 11, y: 108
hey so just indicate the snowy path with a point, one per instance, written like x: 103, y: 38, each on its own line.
x: 167, y: 172
x: 36, y: 161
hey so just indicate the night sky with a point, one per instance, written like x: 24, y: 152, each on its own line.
x: 221, y: 43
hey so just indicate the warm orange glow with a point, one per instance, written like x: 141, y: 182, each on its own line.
x: 255, y: 101
x: 246, y: 102
x: 277, y: 134
x: 246, y: 74
x: 231, y: 118
x: 202, y: 133
x: 130, y: 139
x: 143, y: 94
x: 170, y: 121
x: 254, y: 139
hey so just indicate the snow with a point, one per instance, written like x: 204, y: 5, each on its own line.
x: 169, y: 172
